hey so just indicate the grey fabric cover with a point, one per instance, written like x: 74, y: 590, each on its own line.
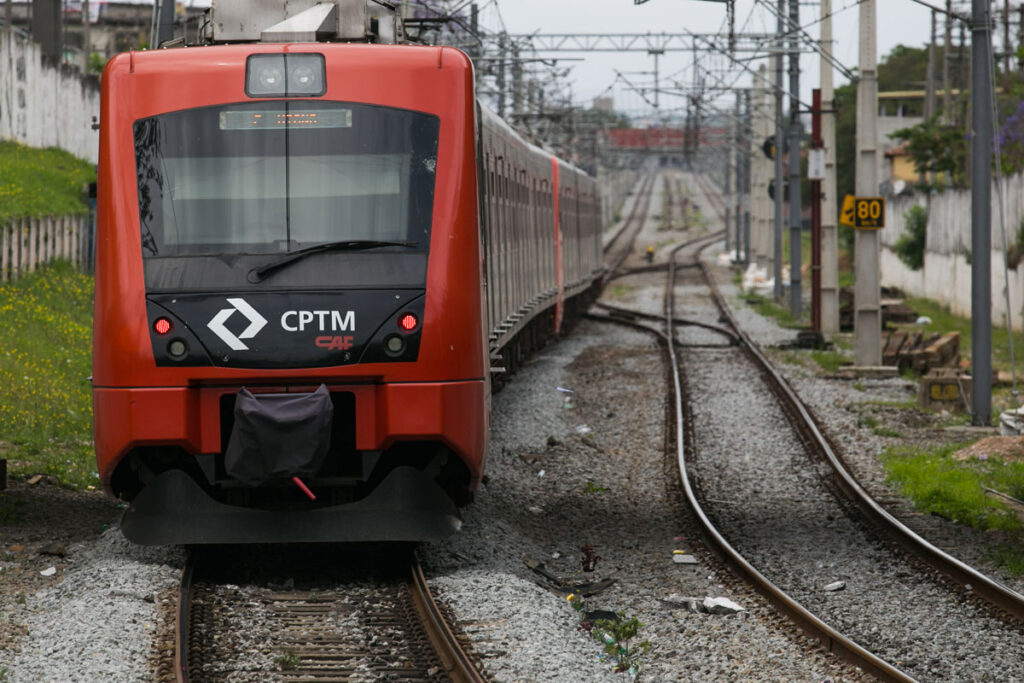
x: 278, y: 436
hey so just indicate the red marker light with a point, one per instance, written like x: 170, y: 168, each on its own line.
x: 162, y: 326
x: 408, y: 322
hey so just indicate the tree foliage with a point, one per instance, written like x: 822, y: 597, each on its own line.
x: 937, y: 148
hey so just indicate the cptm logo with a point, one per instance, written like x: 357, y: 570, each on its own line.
x: 256, y: 323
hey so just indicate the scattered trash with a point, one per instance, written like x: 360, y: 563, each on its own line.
x: 35, y: 479
x: 583, y: 429
x: 552, y: 442
x: 541, y: 473
x: 16, y: 548
x: 565, y: 391
x: 721, y: 606
x: 680, y: 539
x: 56, y: 549
x: 49, y: 571
x: 535, y: 509
x: 684, y: 559
x: 555, y: 555
x: 923, y: 320
x: 1011, y: 422
x: 835, y: 586
x: 982, y: 456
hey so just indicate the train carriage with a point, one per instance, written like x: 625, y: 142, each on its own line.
x: 309, y: 255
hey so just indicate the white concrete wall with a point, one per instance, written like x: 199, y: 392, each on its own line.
x: 46, y: 106
x: 946, y: 276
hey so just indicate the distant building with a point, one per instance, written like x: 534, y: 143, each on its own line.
x: 606, y: 104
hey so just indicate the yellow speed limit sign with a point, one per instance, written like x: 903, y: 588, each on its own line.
x: 868, y: 213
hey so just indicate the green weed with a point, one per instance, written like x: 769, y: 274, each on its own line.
x: 1009, y: 556
x: 287, y: 660
x: 956, y: 490
x: 45, y: 360
x: 618, y: 638
x: 830, y: 361
x: 591, y: 487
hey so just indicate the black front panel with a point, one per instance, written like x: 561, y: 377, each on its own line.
x: 278, y: 330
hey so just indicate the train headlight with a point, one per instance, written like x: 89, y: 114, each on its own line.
x: 394, y: 345
x: 290, y: 75
x: 177, y: 349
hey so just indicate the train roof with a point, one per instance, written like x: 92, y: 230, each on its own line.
x: 489, y: 117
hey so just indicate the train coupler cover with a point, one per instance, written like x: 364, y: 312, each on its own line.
x: 278, y: 436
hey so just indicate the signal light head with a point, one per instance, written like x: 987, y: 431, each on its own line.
x: 162, y: 326
x: 408, y: 322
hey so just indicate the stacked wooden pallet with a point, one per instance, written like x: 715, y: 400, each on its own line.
x: 920, y: 352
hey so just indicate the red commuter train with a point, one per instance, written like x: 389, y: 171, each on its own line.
x: 308, y: 256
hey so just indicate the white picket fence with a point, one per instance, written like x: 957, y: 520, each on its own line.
x: 29, y: 243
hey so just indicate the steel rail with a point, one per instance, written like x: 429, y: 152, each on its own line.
x: 449, y: 650
x: 183, y: 624
x: 453, y: 657
x: 996, y: 593
x: 831, y: 639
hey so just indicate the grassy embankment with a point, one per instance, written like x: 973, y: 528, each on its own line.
x: 955, y: 489
x: 41, y: 182
x: 45, y: 329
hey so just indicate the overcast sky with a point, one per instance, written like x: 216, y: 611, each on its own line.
x: 899, y: 21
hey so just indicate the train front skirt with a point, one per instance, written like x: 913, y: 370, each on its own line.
x: 407, y: 506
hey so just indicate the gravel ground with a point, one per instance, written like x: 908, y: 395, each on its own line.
x: 565, y: 470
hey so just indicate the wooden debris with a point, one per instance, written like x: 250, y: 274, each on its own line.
x: 1016, y: 505
x: 34, y: 479
x: 909, y: 350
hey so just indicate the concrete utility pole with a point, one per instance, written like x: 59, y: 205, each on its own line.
x: 747, y: 172
x: 86, y: 37
x: 502, y: 40
x: 741, y: 134
x: 981, y: 214
x: 929, y: 84
x: 829, y: 204
x: 727, y: 184
x: 780, y: 145
x: 947, y: 86
x: 867, y: 295
x: 795, y: 219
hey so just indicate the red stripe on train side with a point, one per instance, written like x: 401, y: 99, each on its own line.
x: 559, y: 272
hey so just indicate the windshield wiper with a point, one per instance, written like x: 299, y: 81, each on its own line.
x: 259, y: 273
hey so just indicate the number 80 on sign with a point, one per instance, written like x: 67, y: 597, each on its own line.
x: 868, y: 213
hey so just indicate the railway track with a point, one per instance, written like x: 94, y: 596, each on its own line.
x: 963, y: 589
x: 621, y: 244
x: 309, y: 615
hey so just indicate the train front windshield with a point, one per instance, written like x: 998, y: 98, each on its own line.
x: 274, y: 177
